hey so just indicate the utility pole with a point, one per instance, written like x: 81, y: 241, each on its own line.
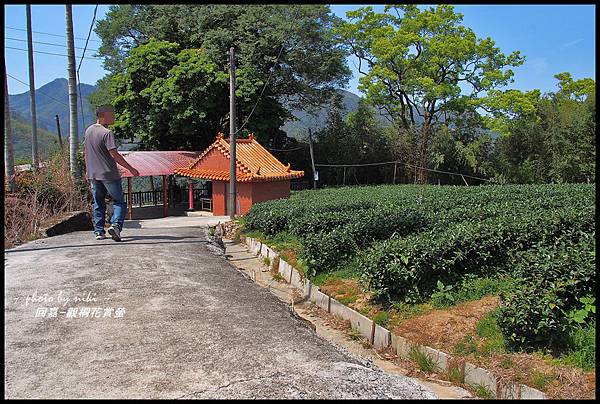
x: 34, y: 141
x: 232, y: 130
x: 73, y: 133
x: 312, y: 159
x: 58, y: 130
x: 9, y: 157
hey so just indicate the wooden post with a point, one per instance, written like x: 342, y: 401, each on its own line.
x: 164, y: 192
x: 129, y: 199
x: 34, y: 137
x: 312, y: 159
x: 344, y: 180
x: 395, y: 162
x: 232, y: 132
x: 190, y: 195
x: 58, y: 130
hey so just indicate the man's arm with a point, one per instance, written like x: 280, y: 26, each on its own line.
x: 121, y: 160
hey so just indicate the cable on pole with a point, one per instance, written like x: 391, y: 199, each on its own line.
x: 79, y: 67
x: 46, y: 43
x: 47, y: 33
x: 270, y: 75
x: 49, y: 53
x: 406, y: 164
x: 286, y: 150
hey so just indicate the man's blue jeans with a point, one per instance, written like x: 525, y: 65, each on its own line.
x: 100, y: 188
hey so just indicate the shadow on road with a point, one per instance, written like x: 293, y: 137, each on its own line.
x: 104, y: 244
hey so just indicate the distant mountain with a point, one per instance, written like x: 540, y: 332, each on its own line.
x: 299, y: 129
x: 53, y: 99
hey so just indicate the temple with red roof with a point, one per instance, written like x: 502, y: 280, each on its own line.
x: 259, y: 175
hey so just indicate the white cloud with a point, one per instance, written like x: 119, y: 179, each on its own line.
x: 572, y: 43
x: 538, y: 65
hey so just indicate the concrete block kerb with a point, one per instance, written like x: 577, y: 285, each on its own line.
x: 381, y: 338
x: 475, y: 375
x: 285, y: 270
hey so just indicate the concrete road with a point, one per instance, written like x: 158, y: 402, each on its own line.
x: 184, y: 324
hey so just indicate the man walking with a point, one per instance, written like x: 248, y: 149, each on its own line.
x: 101, y: 156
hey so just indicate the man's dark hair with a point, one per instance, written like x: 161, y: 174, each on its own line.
x: 102, y: 109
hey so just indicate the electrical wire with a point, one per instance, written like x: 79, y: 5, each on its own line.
x: 268, y: 78
x: 49, y: 53
x: 45, y: 43
x: 400, y: 162
x: 286, y: 150
x: 47, y: 33
x: 79, y: 67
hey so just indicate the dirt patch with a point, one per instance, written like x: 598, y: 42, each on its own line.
x: 330, y: 320
x: 340, y: 288
x: 289, y: 256
x: 350, y: 293
x: 557, y: 382
x: 444, y: 328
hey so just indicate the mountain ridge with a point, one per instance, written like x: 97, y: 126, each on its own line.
x: 53, y: 99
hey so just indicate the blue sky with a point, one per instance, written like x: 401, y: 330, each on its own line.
x: 553, y: 38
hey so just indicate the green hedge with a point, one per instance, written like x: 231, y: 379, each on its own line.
x: 555, y: 278
x: 409, y: 268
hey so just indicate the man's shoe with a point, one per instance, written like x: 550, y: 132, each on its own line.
x: 114, y: 232
x: 100, y: 236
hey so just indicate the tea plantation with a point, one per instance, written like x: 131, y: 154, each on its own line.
x: 404, y: 240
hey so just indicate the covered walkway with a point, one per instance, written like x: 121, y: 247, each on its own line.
x: 157, y: 163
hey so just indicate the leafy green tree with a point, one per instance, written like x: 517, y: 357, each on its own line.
x: 291, y: 47
x: 165, y: 97
x: 545, y: 138
x: 414, y: 63
x: 357, y: 139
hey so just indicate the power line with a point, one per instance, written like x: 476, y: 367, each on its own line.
x: 27, y: 84
x: 79, y: 67
x: 47, y: 33
x: 268, y: 78
x: 49, y: 53
x: 285, y: 150
x: 46, y: 43
x: 88, y: 38
x: 400, y: 162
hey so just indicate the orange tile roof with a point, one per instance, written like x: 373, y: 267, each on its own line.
x: 253, y: 160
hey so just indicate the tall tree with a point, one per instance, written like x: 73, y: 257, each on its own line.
x: 9, y: 157
x: 545, y: 138
x: 415, y: 61
x: 291, y: 50
x: 34, y: 137
x: 73, y: 134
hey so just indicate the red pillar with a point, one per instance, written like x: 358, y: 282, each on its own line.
x: 129, y: 199
x: 171, y: 198
x: 164, y: 189
x: 191, y: 195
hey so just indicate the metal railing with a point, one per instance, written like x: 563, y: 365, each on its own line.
x: 206, y: 204
x: 145, y: 198
x: 155, y: 198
